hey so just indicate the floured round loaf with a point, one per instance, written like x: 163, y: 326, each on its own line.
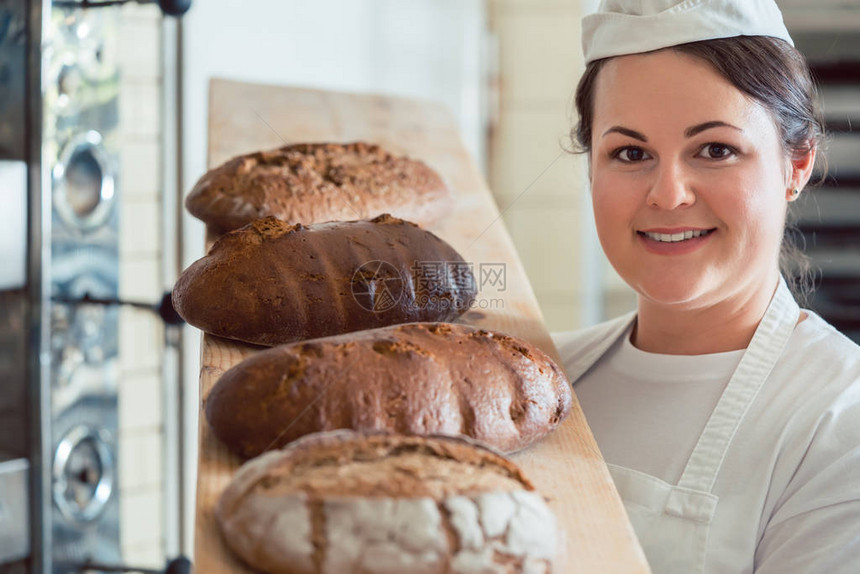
x: 271, y: 283
x: 417, y: 378
x: 342, y: 502
x: 316, y: 182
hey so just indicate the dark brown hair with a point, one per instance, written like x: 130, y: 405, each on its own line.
x: 771, y: 72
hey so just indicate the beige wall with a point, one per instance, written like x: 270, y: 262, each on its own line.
x: 539, y: 186
x: 141, y: 392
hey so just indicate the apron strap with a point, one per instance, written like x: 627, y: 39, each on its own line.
x: 765, y: 349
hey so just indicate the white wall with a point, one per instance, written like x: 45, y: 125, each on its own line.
x: 537, y: 184
x: 604, y: 293
x: 594, y: 262
x: 429, y: 49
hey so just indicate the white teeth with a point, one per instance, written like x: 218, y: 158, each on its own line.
x: 675, y: 237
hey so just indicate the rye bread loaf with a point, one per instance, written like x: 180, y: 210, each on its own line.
x: 418, y: 378
x: 316, y: 182
x: 342, y: 502
x: 271, y: 283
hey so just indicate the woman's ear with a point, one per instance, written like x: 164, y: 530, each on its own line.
x: 801, y: 165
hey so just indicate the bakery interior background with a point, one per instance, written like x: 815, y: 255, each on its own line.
x: 505, y: 68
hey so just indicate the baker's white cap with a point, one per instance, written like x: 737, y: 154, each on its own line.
x: 620, y: 27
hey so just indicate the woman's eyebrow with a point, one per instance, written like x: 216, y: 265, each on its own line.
x: 625, y: 131
x: 699, y: 128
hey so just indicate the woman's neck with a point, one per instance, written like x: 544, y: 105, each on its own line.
x: 682, y: 330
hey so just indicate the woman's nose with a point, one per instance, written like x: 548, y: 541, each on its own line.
x: 672, y: 187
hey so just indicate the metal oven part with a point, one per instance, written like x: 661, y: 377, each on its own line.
x: 168, y: 7
x: 80, y: 115
x: 83, y: 179
x: 60, y: 185
x: 84, y: 475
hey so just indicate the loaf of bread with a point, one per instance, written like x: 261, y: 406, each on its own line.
x: 418, y: 378
x: 271, y: 283
x: 314, y: 183
x: 342, y: 502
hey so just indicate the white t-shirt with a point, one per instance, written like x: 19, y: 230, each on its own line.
x: 789, y: 487
x: 663, y: 399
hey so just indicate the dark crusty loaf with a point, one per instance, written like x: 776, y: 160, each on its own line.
x: 313, y: 183
x: 341, y: 502
x: 418, y: 378
x: 270, y: 282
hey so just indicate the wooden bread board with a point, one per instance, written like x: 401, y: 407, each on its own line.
x: 566, y: 466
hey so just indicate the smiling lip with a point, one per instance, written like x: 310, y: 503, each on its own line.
x: 674, y: 241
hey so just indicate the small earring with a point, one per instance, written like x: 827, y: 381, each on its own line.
x: 794, y: 194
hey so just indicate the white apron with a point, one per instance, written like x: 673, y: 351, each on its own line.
x: 672, y: 522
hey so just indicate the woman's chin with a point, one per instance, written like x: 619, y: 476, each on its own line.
x: 670, y: 293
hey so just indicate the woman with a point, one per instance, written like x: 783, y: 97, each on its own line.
x: 730, y: 418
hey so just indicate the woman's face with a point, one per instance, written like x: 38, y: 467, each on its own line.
x: 688, y: 180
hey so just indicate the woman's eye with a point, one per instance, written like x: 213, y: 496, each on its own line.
x: 630, y: 154
x: 716, y: 151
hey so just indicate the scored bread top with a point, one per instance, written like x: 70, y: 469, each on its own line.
x: 423, y: 505
x: 315, y: 182
x: 347, y: 463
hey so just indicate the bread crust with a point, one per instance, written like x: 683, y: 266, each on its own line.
x: 317, y: 182
x: 271, y: 283
x: 417, y: 378
x: 488, y: 518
